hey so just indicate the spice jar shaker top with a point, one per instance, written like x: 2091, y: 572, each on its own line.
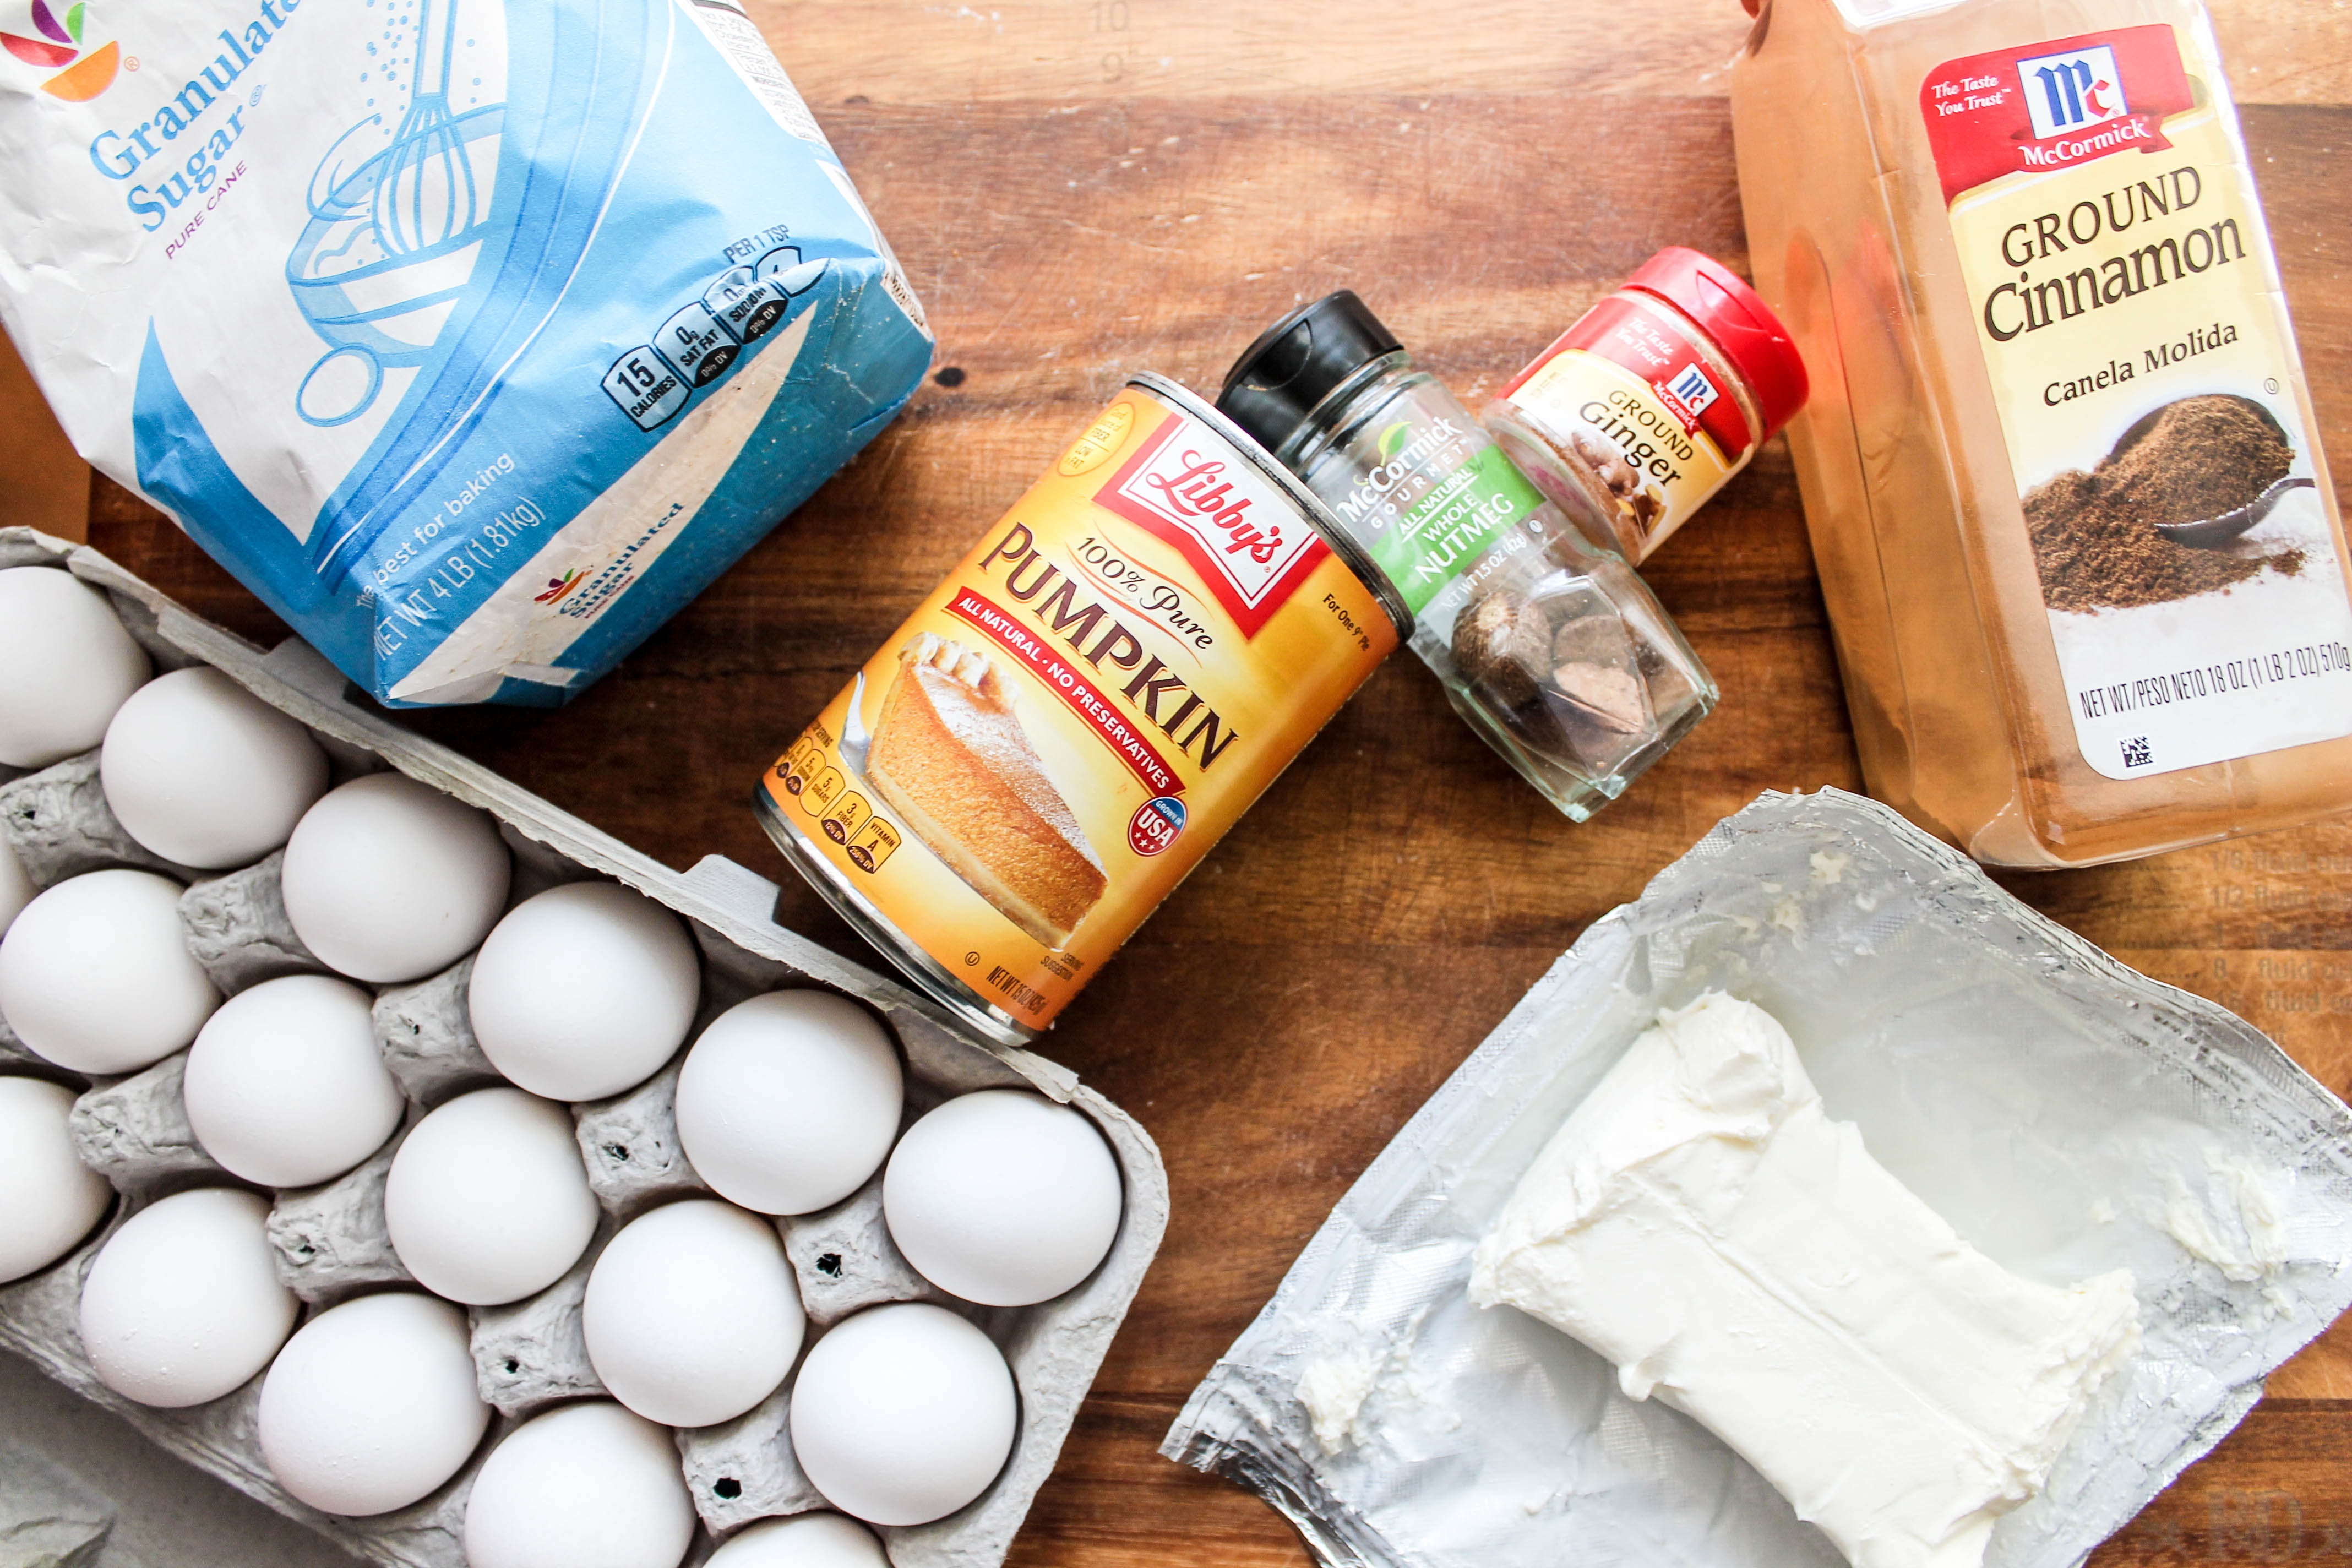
x: 1640, y: 412
x: 1553, y: 649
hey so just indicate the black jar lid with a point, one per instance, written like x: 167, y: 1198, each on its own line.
x: 1277, y: 385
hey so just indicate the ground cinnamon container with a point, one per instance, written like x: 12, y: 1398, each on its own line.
x: 2074, y: 527
x: 1072, y: 718
x: 1646, y: 406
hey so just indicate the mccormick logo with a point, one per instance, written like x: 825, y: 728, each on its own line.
x: 2059, y: 105
x: 1245, y: 537
x: 81, y: 76
x: 1689, y: 395
x: 2069, y: 91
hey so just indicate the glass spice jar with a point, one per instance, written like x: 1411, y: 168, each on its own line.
x: 1644, y: 408
x: 1550, y: 648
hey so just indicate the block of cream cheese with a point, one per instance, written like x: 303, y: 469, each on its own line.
x: 1700, y: 1221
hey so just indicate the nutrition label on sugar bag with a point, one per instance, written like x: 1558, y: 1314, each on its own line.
x: 696, y: 344
x: 739, y: 40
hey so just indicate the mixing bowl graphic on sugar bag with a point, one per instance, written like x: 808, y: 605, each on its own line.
x: 393, y: 241
x: 501, y: 294
x: 386, y: 264
x: 443, y: 239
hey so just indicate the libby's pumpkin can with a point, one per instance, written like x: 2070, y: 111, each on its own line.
x: 1079, y: 712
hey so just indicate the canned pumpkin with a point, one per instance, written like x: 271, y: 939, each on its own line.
x: 1080, y: 710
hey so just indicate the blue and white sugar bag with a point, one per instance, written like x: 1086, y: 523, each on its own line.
x: 476, y: 338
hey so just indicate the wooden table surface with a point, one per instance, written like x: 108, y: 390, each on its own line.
x: 1081, y: 189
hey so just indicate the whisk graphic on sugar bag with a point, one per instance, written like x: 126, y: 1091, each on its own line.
x: 393, y: 241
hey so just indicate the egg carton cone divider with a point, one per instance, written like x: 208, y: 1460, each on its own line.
x: 1054, y: 1349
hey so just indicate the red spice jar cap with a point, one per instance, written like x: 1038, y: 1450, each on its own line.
x: 1750, y: 336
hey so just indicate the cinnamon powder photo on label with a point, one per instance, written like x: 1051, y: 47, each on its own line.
x: 2093, y: 543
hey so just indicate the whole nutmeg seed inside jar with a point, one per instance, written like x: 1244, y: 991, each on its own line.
x: 1547, y: 643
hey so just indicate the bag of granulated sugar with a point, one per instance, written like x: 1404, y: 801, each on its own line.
x: 475, y: 337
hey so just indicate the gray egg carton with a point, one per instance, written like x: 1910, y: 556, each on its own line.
x: 331, y: 1240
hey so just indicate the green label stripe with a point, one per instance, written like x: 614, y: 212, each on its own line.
x: 1448, y: 529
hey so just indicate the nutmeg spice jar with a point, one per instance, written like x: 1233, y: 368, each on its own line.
x: 2075, y: 528
x: 1549, y: 645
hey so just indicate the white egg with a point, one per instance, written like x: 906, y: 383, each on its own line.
x: 584, y: 991
x: 1003, y: 1197
x: 49, y: 1199
x: 66, y: 665
x: 803, y: 1541
x: 183, y: 1304
x: 285, y: 1086
x: 692, y: 1316
x: 17, y: 889
x: 387, y: 880
x: 372, y: 1405
x: 203, y: 772
x: 903, y: 1414
x: 488, y: 1201
x: 96, y: 976
x: 585, y: 1486
x: 788, y: 1103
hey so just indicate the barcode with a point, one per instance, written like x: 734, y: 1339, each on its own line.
x: 2136, y: 752
x: 1001, y: 978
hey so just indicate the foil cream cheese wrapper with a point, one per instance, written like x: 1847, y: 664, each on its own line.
x: 2066, y: 1114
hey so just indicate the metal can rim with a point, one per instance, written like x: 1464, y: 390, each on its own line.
x: 969, y: 1008
x: 1310, y: 506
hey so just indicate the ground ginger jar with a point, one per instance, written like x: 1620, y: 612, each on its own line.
x: 2075, y: 529
x: 1638, y: 414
